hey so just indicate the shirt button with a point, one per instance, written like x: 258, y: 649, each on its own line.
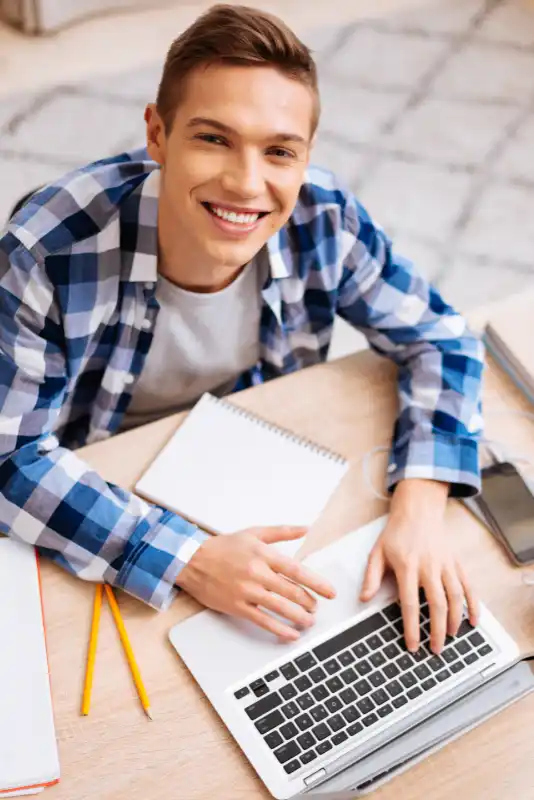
x: 146, y: 324
x: 392, y: 468
x: 149, y: 285
x: 129, y: 379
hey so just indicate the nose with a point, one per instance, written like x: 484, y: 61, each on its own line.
x: 244, y: 177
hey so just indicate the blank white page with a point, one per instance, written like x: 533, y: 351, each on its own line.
x: 227, y: 470
x: 28, y: 748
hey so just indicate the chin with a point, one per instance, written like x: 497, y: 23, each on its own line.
x: 234, y: 255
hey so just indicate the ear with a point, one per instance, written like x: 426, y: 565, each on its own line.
x: 156, y: 140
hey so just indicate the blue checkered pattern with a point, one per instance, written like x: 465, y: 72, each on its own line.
x: 78, y: 269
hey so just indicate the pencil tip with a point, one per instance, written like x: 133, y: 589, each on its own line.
x: 148, y: 712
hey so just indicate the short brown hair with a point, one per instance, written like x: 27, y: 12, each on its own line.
x: 238, y: 35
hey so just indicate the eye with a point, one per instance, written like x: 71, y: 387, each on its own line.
x: 211, y: 138
x: 281, y: 152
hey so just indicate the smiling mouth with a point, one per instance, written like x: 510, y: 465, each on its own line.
x: 240, y: 217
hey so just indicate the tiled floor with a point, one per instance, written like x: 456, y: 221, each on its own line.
x: 428, y: 116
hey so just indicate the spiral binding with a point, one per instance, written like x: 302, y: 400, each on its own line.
x: 283, y: 432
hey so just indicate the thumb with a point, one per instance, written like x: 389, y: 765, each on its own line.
x: 376, y: 567
x: 281, y: 533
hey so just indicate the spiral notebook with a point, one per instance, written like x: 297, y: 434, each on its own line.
x: 226, y: 469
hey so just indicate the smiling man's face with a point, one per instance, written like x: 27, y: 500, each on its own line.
x: 233, y: 162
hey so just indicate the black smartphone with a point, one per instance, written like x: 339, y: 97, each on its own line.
x: 508, y: 504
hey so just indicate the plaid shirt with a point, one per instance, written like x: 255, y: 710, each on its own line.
x: 78, y: 271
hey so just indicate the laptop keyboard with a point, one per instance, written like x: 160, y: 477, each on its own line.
x: 350, y: 682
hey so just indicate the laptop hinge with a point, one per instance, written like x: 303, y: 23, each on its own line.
x: 487, y: 671
x: 315, y: 778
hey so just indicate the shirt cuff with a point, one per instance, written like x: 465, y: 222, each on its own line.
x: 448, y: 459
x: 150, y: 573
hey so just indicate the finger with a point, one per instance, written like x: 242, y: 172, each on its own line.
x: 285, y: 608
x: 437, y: 601
x: 292, y: 591
x: 473, y: 603
x: 270, y: 624
x: 455, y: 600
x: 408, y: 583
x: 280, y: 533
x: 374, y: 574
x: 294, y: 570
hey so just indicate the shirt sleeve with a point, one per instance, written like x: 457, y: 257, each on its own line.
x: 440, y: 362
x: 49, y: 497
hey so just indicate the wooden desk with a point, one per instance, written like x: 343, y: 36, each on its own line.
x: 186, y: 753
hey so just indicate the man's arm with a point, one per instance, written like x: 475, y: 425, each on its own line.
x: 48, y: 496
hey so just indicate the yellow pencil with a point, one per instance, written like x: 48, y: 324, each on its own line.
x: 136, y: 675
x: 91, y: 653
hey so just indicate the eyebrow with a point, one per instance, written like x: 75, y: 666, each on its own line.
x: 195, y: 122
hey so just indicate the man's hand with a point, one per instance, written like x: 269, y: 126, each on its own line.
x: 414, y: 545
x: 242, y: 574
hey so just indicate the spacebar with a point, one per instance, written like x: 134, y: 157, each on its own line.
x: 346, y: 638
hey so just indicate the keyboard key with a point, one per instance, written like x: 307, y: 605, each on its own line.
x: 272, y: 720
x: 308, y: 756
x: 392, y: 612
x: 399, y: 701
x: 360, y: 650
x: 443, y: 675
x: 319, y: 713
x: 379, y: 697
x: 339, y: 738
x: 414, y: 692
x: 377, y: 659
x: 348, y: 696
x: 374, y: 642
x: 485, y: 651
x: 408, y: 680
x: 305, y: 662
x: 288, y: 730
x: 362, y: 687
x: 304, y: 722
x: 364, y: 668
x: 288, y: 692
x: 305, y: 701
x: 337, y: 722
x: 370, y: 719
x: 263, y: 706
x: 317, y: 674
x: 323, y: 748
x: 354, y: 729
x: 289, y: 671
x: 241, y: 692
x: 383, y: 711
x: 349, y: 676
x: 464, y: 629
x: 335, y: 684
x: 476, y: 639
x: 436, y: 663
x: 292, y: 766
x: 377, y: 679
x: 388, y: 634
x: 405, y: 662
x: 320, y: 692
x: 392, y: 651
x: 332, y: 666
x: 333, y: 704
x: 365, y: 705
x: 348, y: 637
x: 429, y: 684
x: 399, y: 626
x: 419, y: 655
x: 306, y: 740
x: 391, y: 670
x: 303, y: 683
x: 470, y: 658
x: 271, y: 676
x: 287, y: 752
x: 273, y: 739
x: 346, y: 658
x: 449, y: 655
x: 393, y: 688
x: 259, y: 687
x: 351, y: 713
x: 321, y: 732
x: 422, y: 671
x: 457, y: 666
x: 291, y: 710
x: 462, y: 647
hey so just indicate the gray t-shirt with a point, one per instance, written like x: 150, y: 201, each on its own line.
x: 202, y: 343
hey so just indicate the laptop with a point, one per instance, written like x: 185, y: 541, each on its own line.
x: 346, y: 707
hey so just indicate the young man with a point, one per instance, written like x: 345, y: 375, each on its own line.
x: 211, y: 260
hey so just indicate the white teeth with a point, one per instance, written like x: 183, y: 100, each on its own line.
x: 237, y: 219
